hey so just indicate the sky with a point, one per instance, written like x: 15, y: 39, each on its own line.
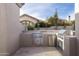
x: 43, y: 11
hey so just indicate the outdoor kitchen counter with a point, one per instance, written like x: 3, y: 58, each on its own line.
x: 70, y: 45
x: 47, y: 38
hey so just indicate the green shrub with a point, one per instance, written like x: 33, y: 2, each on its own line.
x: 30, y: 28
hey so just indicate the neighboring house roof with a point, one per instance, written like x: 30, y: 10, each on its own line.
x: 30, y: 17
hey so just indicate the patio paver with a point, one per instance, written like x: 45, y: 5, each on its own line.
x: 38, y: 51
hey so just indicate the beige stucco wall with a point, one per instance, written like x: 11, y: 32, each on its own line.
x: 77, y: 30
x: 69, y: 46
x: 10, y: 28
x: 3, y: 34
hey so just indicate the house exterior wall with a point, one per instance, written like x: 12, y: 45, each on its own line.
x: 3, y: 31
x: 77, y: 31
x: 10, y: 28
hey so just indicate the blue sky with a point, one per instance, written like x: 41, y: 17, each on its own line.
x: 44, y: 10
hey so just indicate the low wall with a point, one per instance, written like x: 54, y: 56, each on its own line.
x: 27, y: 39
x: 59, y: 28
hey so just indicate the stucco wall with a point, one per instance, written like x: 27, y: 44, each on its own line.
x: 10, y: 28
x: 77, y: 30
x: 70, y: 46
x: 37, y: 38
x: 3, y: 34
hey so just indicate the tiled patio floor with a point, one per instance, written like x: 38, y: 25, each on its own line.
x: 38, y: 51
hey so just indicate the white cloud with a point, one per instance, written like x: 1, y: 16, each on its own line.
x: 38, y: 11
x: 36, y: 15
x: 72, y: 16
x: 35, y: 10
x: 77, y: 8
x: 21, y: 12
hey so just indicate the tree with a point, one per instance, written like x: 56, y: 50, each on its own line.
x: 51, y: 21
x: 42, y: 24
x: 56, y: 19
